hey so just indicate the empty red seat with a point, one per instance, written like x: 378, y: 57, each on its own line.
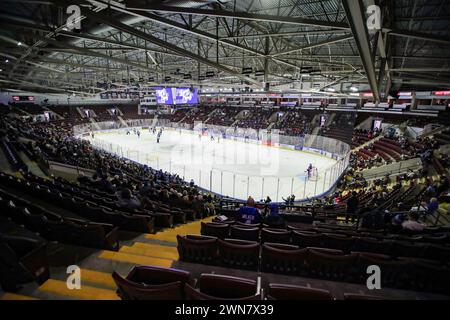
x: 291, y: 292
x: 219, y: 287
x: 152, y: 283
x: 240, y: 254
x: 199, y: 249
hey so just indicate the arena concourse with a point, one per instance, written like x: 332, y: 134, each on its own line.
x: 237, y: 150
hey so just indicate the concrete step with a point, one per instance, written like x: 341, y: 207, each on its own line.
x: 59, y: 288
x: 134, y: 259
x: 151, y: 250
x: 14, y: 296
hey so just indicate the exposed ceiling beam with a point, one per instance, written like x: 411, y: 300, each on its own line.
x: 163, y: 44
x: 315, y: 45
x: 180, y: 26
x: 82, y: 36
x: 290, y: 34
x: 418, y: 35
x: 244, y: 16
x: 434, y: 70
x: 354, y: 9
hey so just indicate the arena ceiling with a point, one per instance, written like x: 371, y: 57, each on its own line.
x: 204, y: 42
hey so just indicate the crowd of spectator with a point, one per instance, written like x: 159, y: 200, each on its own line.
x: 294, y: 123
x: 257, y: 118
x: 135, y: 184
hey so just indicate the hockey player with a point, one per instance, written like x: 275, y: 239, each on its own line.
x: 309, y: 170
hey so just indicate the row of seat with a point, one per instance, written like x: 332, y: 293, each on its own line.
x: 403, y: 272
x: 155, y: 283
x: 165, y: 216
x: 89, y: 209
x: 304, y: 239
x: 11, y: 155
x: 439, y: 167
x: 54, y: 227
x: 22, y: 260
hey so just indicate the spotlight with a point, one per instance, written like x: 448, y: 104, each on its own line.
x: 19, y: 43
x: 6, y: 61
x: 354, y: 89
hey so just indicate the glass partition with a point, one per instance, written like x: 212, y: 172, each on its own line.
x: 235, y: 184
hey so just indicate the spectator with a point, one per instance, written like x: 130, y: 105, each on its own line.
x: 249, y: 214
x: 431, y: 206
x: 127, y: 200
x: 412, y: 223
x: 352, y: 206
x: 372, y: 218
x: 105, y: 185
x: 198, y: 205
x: 82, y: 179
x: 274, y: 220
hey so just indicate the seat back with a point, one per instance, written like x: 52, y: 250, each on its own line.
x: 290, y: 292
x: 218, y: 230
x: 244, y: 233
x: 151, y: 275
x: 284, y: 259
x: 227, y: 287
x: 307, y: 239
x: 438, y: 253
x: 129, y: 290
x: 240, y: 254
x: 337, y: 241
x: 406, y: 249
x: 275, y: 236
x: 365, y: 244
x: 192, y: 293
x: 330, y: 266
x: 428, y: 277
x: 355, y: 296
x: 247, y: 225
x: 394, y: 273
x: 29, y: 259
x: 199, y: 249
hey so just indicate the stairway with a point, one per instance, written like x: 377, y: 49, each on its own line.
x: 330, y: 119
x: 80, y: 112
x: 96, y: 269
x: 122, y: 121
x: 368, y: 143
x: 155, y: 121
x: 211, y: 114
x: 94, y: 124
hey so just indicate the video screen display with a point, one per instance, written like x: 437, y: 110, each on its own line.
x: 185, y: 95
x: 164, y: 95
x: 175, y: 96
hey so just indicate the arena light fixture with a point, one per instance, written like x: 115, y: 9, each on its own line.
x: 354, y: 89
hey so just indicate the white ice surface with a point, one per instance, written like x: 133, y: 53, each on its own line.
x: 232, y: 168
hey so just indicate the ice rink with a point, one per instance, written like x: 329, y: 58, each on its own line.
x: 232, y: 168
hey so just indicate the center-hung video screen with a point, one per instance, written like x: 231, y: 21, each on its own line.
x: 175, y: 96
